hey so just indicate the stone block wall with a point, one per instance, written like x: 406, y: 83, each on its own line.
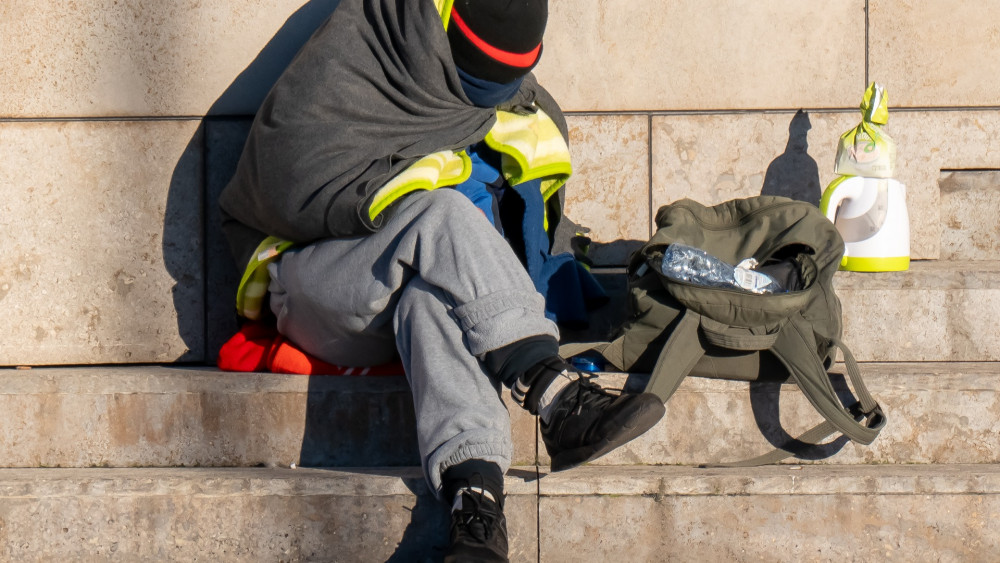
x: 121, y: 120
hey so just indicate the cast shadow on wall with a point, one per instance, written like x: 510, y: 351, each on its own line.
x: 794, y: 174
x: 213, y: 152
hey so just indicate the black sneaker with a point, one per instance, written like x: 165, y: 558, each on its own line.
x: 588, y: 422
x: 478, y: 529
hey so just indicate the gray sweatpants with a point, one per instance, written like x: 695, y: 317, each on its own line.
x: 439, y: 285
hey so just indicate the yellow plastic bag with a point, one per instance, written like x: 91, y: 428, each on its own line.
x: 867, y: 150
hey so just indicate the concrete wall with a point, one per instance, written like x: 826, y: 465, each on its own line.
x: 121, y: 120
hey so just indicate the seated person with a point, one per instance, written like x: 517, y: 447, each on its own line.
x: 368, y: 205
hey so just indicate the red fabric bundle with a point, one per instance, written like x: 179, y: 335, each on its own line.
x: 260, y: 347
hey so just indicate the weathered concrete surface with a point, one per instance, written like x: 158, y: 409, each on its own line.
x: 131, y: 58
x: 103, y: 251
x: 710, y: 158
x: 646, y: 55
x: 609, y: 191
x: 157, y: 417
x: 238, y: 515
x: 938, y: 311
x: 161, y: 417
x: 785, y: 513
x: 929, y: 52
x: 850, y: 513
x: 937, y: 413
x: 968, y: 200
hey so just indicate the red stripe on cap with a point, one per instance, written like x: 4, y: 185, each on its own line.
x: 522, y: 60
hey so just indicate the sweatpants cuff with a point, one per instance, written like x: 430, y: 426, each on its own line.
x: 502, y: 318
x: 492, y: 452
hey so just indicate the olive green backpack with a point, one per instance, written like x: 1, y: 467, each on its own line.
x: 676, y: 329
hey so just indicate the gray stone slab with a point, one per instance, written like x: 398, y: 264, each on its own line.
x: 608, y: 193
x: 131, y: 193
x: 713, y: 158
x: 779, y: 480
x: 239, y: 515
x: 937, y: 413
x: 928, y: 52
x: 137, y: 58
x: 165, y: 416
x: 938, y: 311
x: 970, y: 207
x: 134, y: 58
x: 787, y: 513
x: 103, y: 247
x: 129, y: 417
x: 852, y: 513
x: 645, y: 55
x: 186, y: 57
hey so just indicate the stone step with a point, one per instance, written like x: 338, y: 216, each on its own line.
x: 239, y: 515
x: 161, y: 416
x: 164, y: 416
x: 937, y: 413
x: 777, y: 513
x: 937, y: 311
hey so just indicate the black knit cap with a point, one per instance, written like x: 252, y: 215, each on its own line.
x: 497, y: 40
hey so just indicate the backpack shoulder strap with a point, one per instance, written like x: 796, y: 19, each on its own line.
x: 862, y: 421
x: 680, y: 353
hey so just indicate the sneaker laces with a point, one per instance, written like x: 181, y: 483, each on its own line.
x: 590, y: 394
x: 477, y: 515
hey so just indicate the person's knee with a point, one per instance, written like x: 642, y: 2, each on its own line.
x: 451, y: 204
